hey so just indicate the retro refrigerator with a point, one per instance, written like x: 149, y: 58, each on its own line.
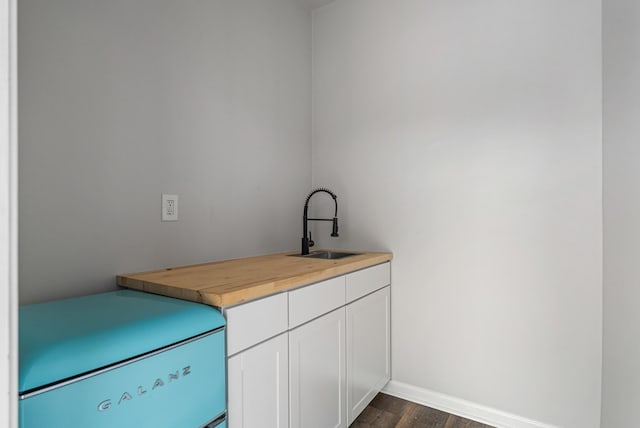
x: 121, y: 359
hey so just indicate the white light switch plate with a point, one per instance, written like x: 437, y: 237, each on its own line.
x: 169, y: 207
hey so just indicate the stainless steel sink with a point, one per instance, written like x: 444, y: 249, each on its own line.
x: 327, y: 255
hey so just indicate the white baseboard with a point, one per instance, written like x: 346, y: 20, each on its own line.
x: 456, y: 406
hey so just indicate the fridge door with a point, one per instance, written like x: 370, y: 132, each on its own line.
x: 180, y: 386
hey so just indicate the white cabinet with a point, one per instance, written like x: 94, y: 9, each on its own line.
x: 317, y: 373
x: 258, y: 363
x: 365, y: 281
x: 307, y: 303
x: 313, y: 357
x: 368, y: 349
x: 259, y: 385
x: 253, y: 322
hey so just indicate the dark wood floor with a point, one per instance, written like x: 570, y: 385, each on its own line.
x: 386, y: 411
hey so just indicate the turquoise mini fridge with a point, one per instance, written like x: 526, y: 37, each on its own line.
x: 122, y: 359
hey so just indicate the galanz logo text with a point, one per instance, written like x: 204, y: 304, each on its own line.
x: 141, y: 390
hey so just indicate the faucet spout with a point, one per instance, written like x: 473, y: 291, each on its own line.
x: 306, y: 236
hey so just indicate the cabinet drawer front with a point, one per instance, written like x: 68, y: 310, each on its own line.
x: 309, y: 302
x: 253, y: 322
x: 367, y: 280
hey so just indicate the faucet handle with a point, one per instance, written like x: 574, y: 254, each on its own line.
x: 334, y: 232
x: 311, y: 243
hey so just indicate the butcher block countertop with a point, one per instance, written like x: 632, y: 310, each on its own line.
x: 228, y: 282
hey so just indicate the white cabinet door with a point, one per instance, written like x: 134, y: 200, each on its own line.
x: 368, y: 349
x: 259, y: 387
x: 317, y: 373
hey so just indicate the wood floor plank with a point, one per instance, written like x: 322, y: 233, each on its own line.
x: 460, y: 422
x: 424, y: 417
x: 389, y: 403
x: 386, y: 411
x: 376, y: 418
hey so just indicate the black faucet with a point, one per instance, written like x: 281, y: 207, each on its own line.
x: 308, y: 242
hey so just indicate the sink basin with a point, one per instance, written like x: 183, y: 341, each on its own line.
x: 327, y: 255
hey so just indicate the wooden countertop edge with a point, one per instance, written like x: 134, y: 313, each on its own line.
x: 162, y: 289
x: 212, y: 296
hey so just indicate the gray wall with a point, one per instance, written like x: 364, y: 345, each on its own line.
x: 123, y: 100
x: 621, y: 377
x: 466, y: 138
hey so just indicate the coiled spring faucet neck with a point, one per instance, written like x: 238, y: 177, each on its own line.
x: 306, y: 236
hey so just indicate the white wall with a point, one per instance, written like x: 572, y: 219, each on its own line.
x: 466, y: 138
x: 621, y: 377
x: 8, y: 209
x: 123, y: 100
x: 5, y: 218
